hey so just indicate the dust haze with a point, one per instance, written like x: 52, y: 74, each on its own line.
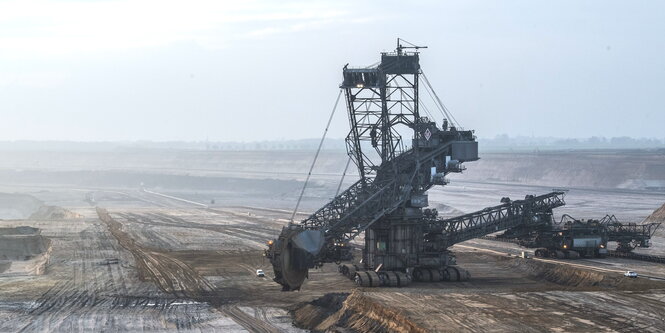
x: 150, y: 150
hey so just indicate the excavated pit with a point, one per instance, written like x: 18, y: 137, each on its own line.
x: 341, y: 312
x: 387, y: 310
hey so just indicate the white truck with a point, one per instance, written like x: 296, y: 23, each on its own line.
x: 630, y: 274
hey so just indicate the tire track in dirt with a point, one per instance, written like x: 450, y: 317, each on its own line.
x: 249, y: 322
x: 171, y: 275
x: 175, y: 277
x: 91, y: 289
x: 256, y: 234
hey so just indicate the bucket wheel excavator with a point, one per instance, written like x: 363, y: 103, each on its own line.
x: 404, y: 240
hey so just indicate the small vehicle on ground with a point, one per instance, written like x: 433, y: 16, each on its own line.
x: 260, y: 273
x: 630, y: 274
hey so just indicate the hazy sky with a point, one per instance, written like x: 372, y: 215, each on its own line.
x: 259, y: 70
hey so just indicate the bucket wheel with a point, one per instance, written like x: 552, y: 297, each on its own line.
x: 283, y: 257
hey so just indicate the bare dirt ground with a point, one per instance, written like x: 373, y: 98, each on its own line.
x: 123, y: 259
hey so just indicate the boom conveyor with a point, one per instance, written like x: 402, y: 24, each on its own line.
x: 531, y: 212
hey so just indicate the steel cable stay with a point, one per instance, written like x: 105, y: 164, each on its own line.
x: 442, y: 107
x: 316, y: 156
x: 424, y: 107
x: 437, y: 101
x: 346, y: 168
x: 439, y: 105
x: 444, y: 112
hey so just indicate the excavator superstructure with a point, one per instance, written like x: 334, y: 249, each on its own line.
x: 404, y: 240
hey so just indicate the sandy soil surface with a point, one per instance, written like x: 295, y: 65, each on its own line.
x: 123, y: 259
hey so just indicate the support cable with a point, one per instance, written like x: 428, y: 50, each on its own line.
x: 437, y: 99
x: 439, y: 105
x: 443, y: 112
x: 346, y: 168
x: 424, y: 107
x: 309, y: 174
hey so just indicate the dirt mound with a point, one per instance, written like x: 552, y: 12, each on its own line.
x: 658, y: 215
x: 23, y: 251
x: 341, y: 312
x: 14, y: 206
x: 54, y: 213
x: 581, y: 279
x: 445, y: 210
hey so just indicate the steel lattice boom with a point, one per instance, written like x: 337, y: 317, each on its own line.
x: 532, y: 211
x: 387, y: 202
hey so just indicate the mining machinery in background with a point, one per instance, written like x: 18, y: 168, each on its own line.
x: 628, y: 236
x: 573, y: 238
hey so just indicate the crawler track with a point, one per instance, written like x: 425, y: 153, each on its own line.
x: 636, y: 256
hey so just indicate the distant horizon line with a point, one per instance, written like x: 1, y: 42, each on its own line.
x: 496, y: 138
x: 498, y: 144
